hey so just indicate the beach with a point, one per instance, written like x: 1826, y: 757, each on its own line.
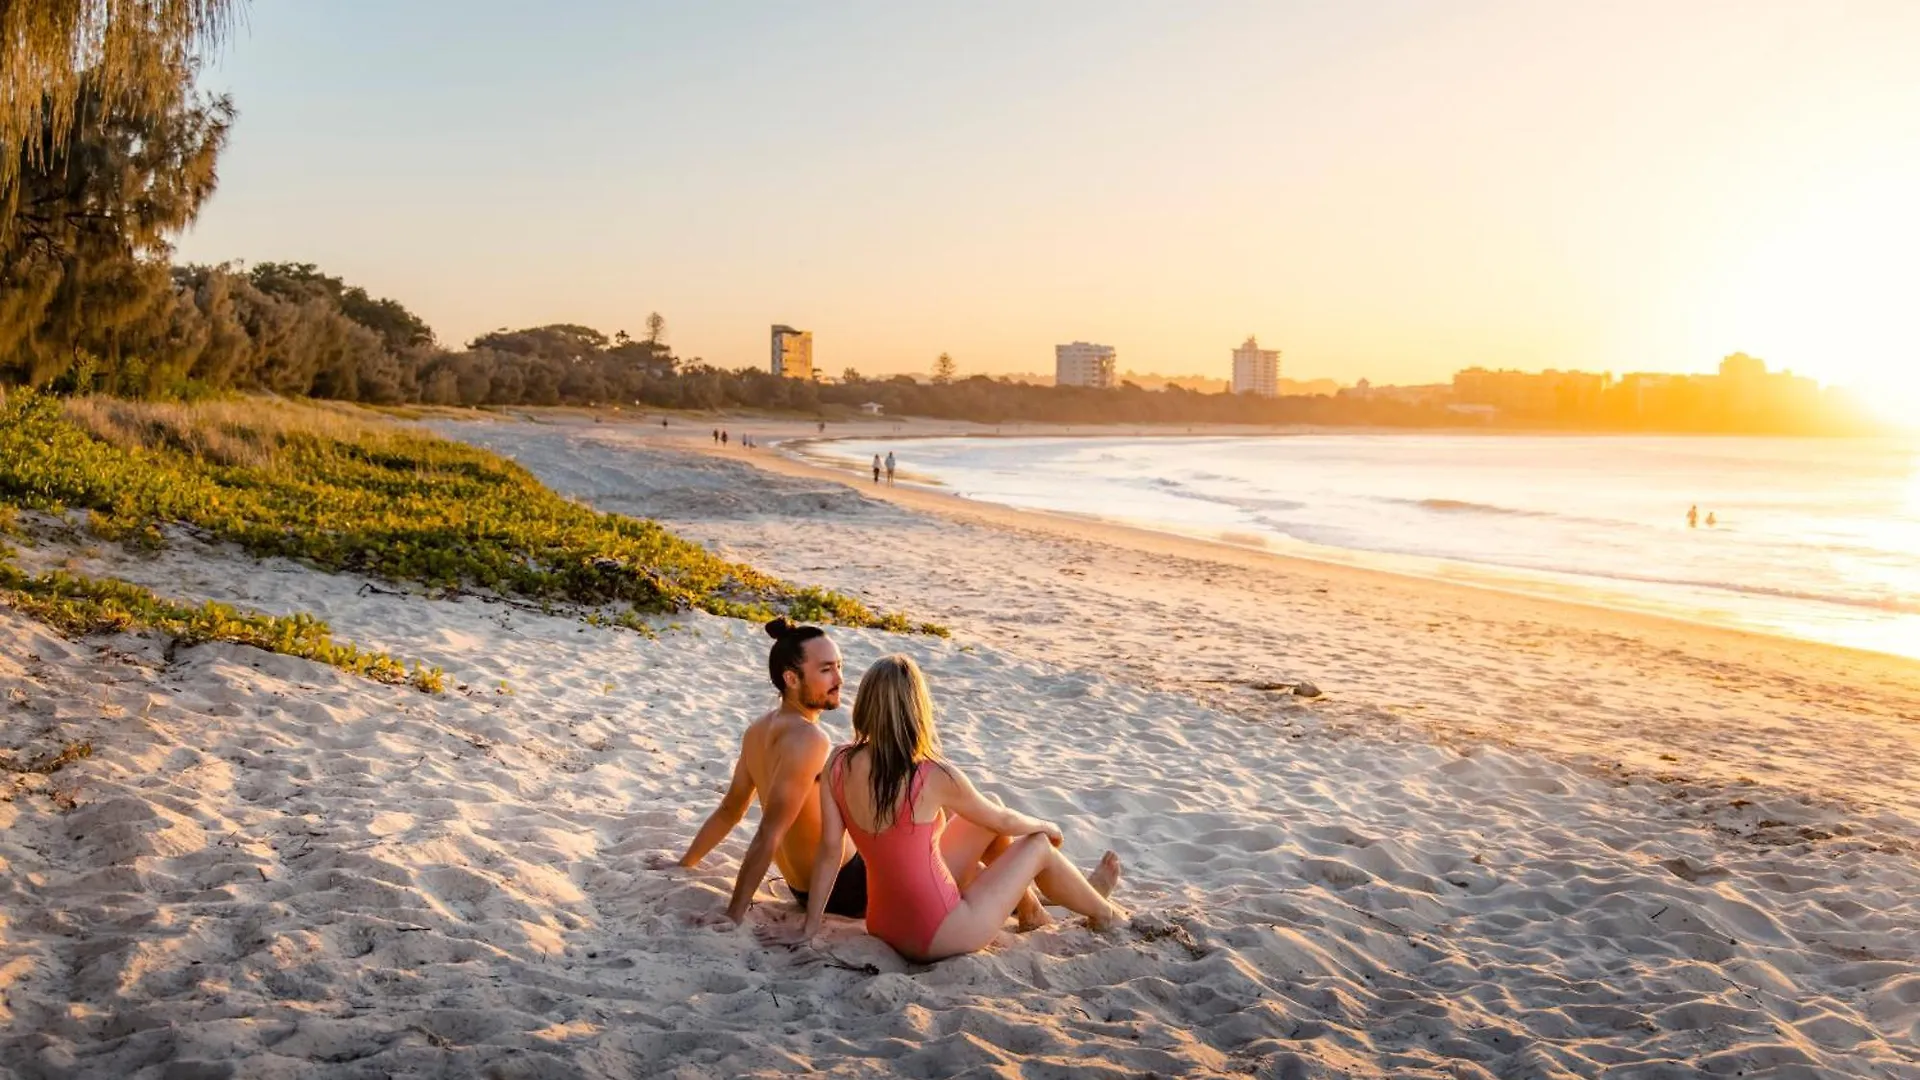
x: 1373, y: 825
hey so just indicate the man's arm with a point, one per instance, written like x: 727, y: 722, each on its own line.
x: 826, y: 860
x: 733, y: 807
x: 794, y: 772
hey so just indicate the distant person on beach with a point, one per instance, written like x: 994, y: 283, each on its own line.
x: 780, y: 758
x: 716, y: 436
x: 923, y: 830
x: 889, y: 468
x: 876, y: 468
x: 723, y: 436
x: 823, y: 427
x: 1693, y: 517
x: 1712, y: 520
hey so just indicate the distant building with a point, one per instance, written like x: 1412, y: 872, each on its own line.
x: 1256, y: 370
x: 872, y: 408
x: 1743, y: 396
x: 1425, y: 394
x: 792, y: 352
x: 1525, y: 393
x: 1083, y: 364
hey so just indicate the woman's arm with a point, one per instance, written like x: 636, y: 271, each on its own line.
x: 958, y: 795
x: 826, y: 857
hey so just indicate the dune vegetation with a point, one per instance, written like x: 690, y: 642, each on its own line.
x: 344, y: 490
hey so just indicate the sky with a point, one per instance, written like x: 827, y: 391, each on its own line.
x: 1391, y: 190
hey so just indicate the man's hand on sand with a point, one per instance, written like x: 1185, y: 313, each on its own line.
x: 663, y: 860
x: 784, y: 932
x: 714, y: 920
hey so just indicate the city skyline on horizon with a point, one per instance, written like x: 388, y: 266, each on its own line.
x: 1392, y: 194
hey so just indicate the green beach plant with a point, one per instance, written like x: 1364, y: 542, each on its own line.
x: 345, y: 491
x: 77, y: 605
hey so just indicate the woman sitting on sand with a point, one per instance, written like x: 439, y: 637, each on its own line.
x: 919, y: 823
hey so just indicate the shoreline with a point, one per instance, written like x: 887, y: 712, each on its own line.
x: 927, y: 496
x: 1586, y: 591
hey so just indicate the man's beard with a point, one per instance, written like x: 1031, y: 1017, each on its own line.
x: 826, y: 701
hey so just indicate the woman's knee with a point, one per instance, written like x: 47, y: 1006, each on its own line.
x: 1033, y: 846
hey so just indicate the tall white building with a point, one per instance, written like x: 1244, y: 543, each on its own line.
x: 1256, y: 370
x: 792, y: 352
x: 1083, y: 364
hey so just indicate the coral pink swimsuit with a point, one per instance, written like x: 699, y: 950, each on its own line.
x: 910, y: 891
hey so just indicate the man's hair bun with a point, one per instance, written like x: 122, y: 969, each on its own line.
x: 778, y: 627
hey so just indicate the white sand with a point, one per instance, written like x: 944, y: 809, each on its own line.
x: 274, y: 869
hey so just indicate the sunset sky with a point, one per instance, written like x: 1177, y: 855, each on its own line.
x: 1388, y: 190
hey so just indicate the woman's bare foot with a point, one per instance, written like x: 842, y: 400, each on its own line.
x: 1103, y: 879
x: 1115, y: 916
x: 1031, y: 914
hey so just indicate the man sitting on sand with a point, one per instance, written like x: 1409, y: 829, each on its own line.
x: 780, y: 758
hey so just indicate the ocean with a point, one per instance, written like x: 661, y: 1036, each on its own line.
x: 1813, y: 539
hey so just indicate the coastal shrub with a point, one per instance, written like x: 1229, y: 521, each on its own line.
x: 346, y: 492
x: 74, y: 604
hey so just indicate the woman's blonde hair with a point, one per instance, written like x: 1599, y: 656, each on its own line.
x: 893, y: 720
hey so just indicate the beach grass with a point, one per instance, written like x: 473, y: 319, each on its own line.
x: 343, y: 489
x: 77, y: 605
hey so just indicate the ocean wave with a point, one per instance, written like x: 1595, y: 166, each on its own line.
x: 1253, y: 503
x: 1461, y: 506
x: 1903, y: 605
x: 1323, y: 534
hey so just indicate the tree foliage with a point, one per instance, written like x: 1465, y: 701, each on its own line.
x: 62, y: 60
x: 84, y: 282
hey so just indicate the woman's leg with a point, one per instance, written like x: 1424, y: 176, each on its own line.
x: 964, y: 846
x: 984, y: 906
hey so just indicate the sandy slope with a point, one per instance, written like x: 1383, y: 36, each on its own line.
x: 273, y: 869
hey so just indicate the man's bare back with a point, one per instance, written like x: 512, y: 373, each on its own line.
x: 779, y: 764
x: 779, y: 750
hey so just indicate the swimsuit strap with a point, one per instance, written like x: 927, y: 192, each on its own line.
x: 836, y: 777
x: 914, y: 788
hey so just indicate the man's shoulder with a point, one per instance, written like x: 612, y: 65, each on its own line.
x: 800, y: 735
x: 800, y: 744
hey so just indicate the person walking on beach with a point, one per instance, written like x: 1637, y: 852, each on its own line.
x: 876, y: 468
x: 1693, y: 517
x: 716, y: 436
x: 889, y: 468
x: 780, y: 757
x: 923, y: 828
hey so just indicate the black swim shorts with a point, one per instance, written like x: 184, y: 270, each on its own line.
x: 849, y: 897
